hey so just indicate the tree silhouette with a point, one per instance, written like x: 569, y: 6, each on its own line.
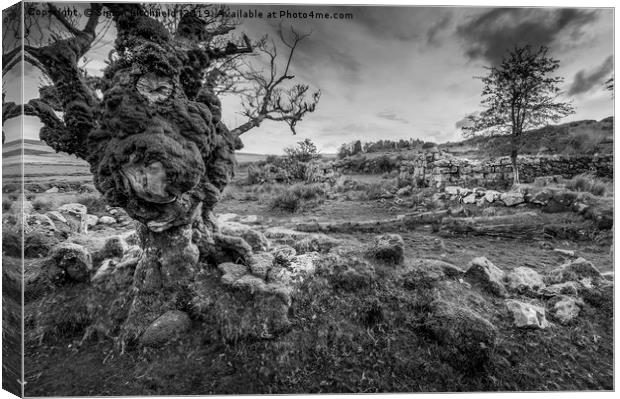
x: 520, y: 93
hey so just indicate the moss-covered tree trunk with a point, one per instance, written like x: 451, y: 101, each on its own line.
x: 155, y: 142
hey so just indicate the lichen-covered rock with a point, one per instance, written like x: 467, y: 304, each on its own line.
x: 256, y: 239
x: 284, y: 254
x: 491, y: 195
x: 56, y: 216
x: 107, y: 220
x: 231, y: 272
x: 315, y: 243
x: 568, y: 288
x: 297, y: 271
x: 527, y: 315
x: 512, y: 198
x: 524, y: 280
x: 470, y: 335
x: 388, y: 248
x: 565, y: 309
x: 469, y: 199
x: 575, y: 270
x: 261, y: 263
x: 69, y: 262
x: 443, y: 268
x: 167, y: 327
x: 91, y: 220
x: 485, y: 274
x: 114, y: 247
x: 75, y: 215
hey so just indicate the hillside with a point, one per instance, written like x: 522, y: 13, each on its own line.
x: 579, y: 137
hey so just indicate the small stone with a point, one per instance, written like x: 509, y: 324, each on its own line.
x: 52, y: 190
x: 524, y: 280
x: 284, y: 254
x: 567, y: 288
x: 565, y: 309
x: 574, y: 270
x: 91, y: 220
x: 451, y: 190
x: 261, y: 263
x: 249, y: 219
x: 512, y: 198
x: 107, y: 220
x: 167, y: 327
x: 485, y: 274
x: 490, y: 196
x: 469, y: 199
x: 527, y: 315
x: 565, y: 252
x: 231, y: 272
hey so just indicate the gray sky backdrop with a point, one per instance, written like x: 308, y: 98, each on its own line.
x: 408, y: 72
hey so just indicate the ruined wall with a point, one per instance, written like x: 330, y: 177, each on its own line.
x: 440, y: 169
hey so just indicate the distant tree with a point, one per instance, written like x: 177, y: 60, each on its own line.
x: 520, y: 93
x: 304, y: 151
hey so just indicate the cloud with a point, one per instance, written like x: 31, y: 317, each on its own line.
x: 391, y: 116
x: 586, y: 81
x: 431, y: 34
x: 489, y: 35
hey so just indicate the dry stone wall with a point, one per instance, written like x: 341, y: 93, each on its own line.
x: 438, y: 169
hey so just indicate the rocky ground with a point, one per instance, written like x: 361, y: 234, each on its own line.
x: 350, y: 286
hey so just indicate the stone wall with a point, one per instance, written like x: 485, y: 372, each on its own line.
x: 436, y: 169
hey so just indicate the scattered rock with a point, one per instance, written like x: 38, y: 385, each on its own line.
x: 524, y: 280
x: 527, y: 315
x: 91, y: 220
x: 574, y: 270
x: 485, y: 274
x: 565, y: 252
x: 52, y: 190
x: 565, y: 309
x: 472, y: 336
x: 512, y: 198
x: 107, y: 220
x: 261, y: 263
x: 567, y: 288
x: 284, y: 254
x: 167, y: 327
x: 469, y: 199
x: 491, y: 195
x: 69, y: 262
x: 256, y: 239
x: 231, y: 272
x: 388, y: 248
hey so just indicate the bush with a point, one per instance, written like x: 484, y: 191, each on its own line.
x: 428, y: 145
x: 297, y: 197
x: 42, y: 206
x: 587, y: 183
x: 304, y: 151
x: 95, y: 204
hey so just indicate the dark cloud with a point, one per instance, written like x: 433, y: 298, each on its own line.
x: 488, y: 36
x: 391, y: 116
x: 585, y: 81
x: 431, y: 34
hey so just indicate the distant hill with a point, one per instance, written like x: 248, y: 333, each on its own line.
x: 579, y: 137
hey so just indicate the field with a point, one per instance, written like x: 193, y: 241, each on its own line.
x: 370, y: 327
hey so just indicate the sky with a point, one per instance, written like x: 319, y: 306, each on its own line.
x: 407, y: 72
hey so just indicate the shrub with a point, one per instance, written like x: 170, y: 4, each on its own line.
x: 428, y: 144
x: 41, y: 205
x: 304, y: 151
x: 297, y: 197
x: 95, y: 204
x: 587, y: 183
x: 6, y: 204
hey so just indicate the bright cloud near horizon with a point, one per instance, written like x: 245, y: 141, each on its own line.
x: 407, y: 72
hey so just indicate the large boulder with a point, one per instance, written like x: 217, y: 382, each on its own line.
x: 527, y: 315
x: 167, y: 327
x: 574, y: 270
x: 389, y: 248
x: 69, y: 262
x: 568, y: 288
x: 524, y: 280
x: 486, y: 275
x: 471, y: 336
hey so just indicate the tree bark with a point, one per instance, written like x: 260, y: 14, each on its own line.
x: 513, y: 158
